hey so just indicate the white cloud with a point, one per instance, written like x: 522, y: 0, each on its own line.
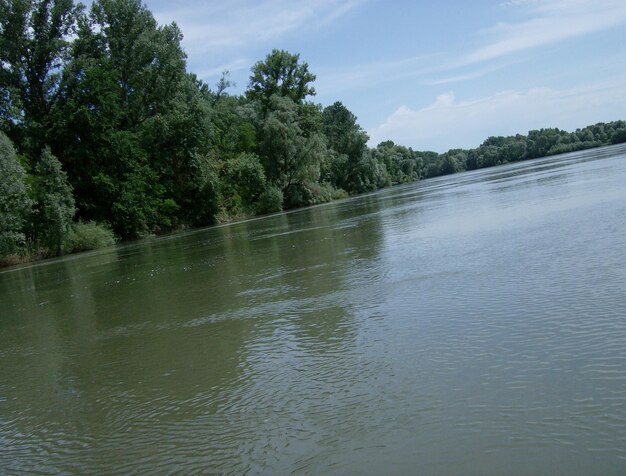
x: 552, y: 21
x: 374, y: 73
x: 230, y: 28
x: 545, y: 22
x: 479, y: 73
x: 451, y: 123
x: 236, y: 65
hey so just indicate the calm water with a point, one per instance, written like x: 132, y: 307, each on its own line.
x: 472, y: 324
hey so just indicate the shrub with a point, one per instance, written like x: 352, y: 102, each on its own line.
x: 619, y: 136
x: 88, y: 236
x: 245, y: 175
x: 242, y: 183
x: 270, y: 201
x: 325, y: 192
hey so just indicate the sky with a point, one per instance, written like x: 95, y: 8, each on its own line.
x: 431, y: 75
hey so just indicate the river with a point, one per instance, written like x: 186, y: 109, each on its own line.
x: 468, y: 324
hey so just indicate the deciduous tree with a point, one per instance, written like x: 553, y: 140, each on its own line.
x: 34, y: 41
x: 280, y: 74
x: 54, y: 204
x: 15, y: 204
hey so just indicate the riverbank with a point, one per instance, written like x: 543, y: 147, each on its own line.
x: 89, y: 237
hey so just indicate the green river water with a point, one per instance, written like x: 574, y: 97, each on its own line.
x: 469, y: 324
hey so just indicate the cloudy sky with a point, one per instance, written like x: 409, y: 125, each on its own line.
x: 432, y: 75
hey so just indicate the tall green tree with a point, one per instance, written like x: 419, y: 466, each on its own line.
x: 130, y: 121
x: 291, y: 153
x: 342, y: 132
x: 15, y: 204
x: 33, y: 49
x: 175, y: 139
x: 54, y: 204
x: 368, y: 174
x: 282, y: 74
x: 347, y: 143
x: 148, y: 60
x: 291, y: 143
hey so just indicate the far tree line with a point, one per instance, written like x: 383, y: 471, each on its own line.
x: 104, y: 134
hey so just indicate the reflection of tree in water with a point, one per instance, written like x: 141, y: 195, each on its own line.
x: 315, y: 253
x: 101, y: 350
x: 41, y: 346
x: 175, y: 298
x: 304, y: 356
x: 163, y: 332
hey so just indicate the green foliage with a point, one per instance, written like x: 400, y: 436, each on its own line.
x: 563, y: 148
x: 85, y: 236
x: 173, y: 142
x: 291, y: 154
x: 270, y: 201
x: 347, y: 143
x: 279, y: 145
x: 334, y: 169
x: 243, y: 181
x: 33, y: 47
x: 147, y: 59
x: 247, y: 137
x: 343, y: 133
x: 130, y: 120
x: 619, y: 136
x: 336, y: 193
x: 403, y: 165
x: 538, y: 143
x: 203, y: 191
x: 280, y: 74
x: 452, y: 163
x: 368, y: 174
x: 125, y: 191
x: 325, y: 192
x: 54, y: 204
x: 222, y: 85
x: 15, y: 204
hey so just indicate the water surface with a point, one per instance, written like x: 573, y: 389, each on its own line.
x: 469, y: 324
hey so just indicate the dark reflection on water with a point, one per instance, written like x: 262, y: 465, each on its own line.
x: 472, y: 324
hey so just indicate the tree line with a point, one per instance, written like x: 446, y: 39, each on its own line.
x: 104, y: 134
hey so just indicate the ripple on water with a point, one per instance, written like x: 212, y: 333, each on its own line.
x: 463, y: 325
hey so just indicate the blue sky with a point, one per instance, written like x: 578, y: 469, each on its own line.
x: 431, y: 75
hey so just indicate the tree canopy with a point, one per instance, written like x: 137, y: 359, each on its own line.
x: 280, y: 74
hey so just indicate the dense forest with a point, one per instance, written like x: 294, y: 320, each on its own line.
x: 105, y: 135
